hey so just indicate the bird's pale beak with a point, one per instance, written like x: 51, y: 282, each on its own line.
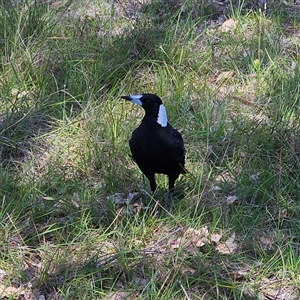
x: 134, y: 98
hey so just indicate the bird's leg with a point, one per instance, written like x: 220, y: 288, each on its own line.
x: 151, y: 178
x: 169, y: 204
x: 171, y: 192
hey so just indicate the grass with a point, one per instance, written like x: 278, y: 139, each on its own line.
x: 68, y: 229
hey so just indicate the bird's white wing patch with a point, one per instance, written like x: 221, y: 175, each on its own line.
x: 136, y: 99
x: 162, y: 119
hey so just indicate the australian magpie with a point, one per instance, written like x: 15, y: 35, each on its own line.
x: 155, y: 145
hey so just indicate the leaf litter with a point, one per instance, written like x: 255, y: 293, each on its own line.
x: 190, y: 239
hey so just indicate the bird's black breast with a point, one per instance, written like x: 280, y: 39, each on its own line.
x: 157, y: 149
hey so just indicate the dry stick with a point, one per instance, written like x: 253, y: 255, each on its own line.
x: 164, y: 283
x: 185, y: 292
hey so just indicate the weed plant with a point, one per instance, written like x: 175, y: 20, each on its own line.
x: 233, y: 92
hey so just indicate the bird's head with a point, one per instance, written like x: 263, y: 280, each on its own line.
x: 152, y: 104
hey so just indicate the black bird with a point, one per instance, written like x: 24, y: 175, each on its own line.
x: 155, y: 145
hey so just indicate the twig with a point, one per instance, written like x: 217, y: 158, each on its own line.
x: 185, y: 292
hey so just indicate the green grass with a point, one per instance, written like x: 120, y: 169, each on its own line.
x: 64, y: 151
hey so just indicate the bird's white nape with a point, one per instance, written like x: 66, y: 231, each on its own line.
x: 162, y: 119
x: 137, y: 99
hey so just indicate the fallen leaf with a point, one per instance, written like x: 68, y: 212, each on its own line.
x: 229, y: 247
x: 199, y: 237
x: 266, y: 242
x: 228, y: 25
x: 230, y: 199
x: 276, y: 290
x: 118, y: 296
x: 141, y: 282
x: 2, y: 273
x: 255, y: 176
x: 76, y: 200
x: 216, y: 188
x: 256, y: 63
x: 133, y: 196
x: 121, y: 198
x: 192, y: 239
x: 187, y: 271
x: 19, y: 94
x: 240, y: 272
x: 224, y: 75
x: 10, y: 291
x: 55, y: 4
x: 215, y: 237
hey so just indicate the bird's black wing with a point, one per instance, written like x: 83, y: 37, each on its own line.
x: 175, y: 146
